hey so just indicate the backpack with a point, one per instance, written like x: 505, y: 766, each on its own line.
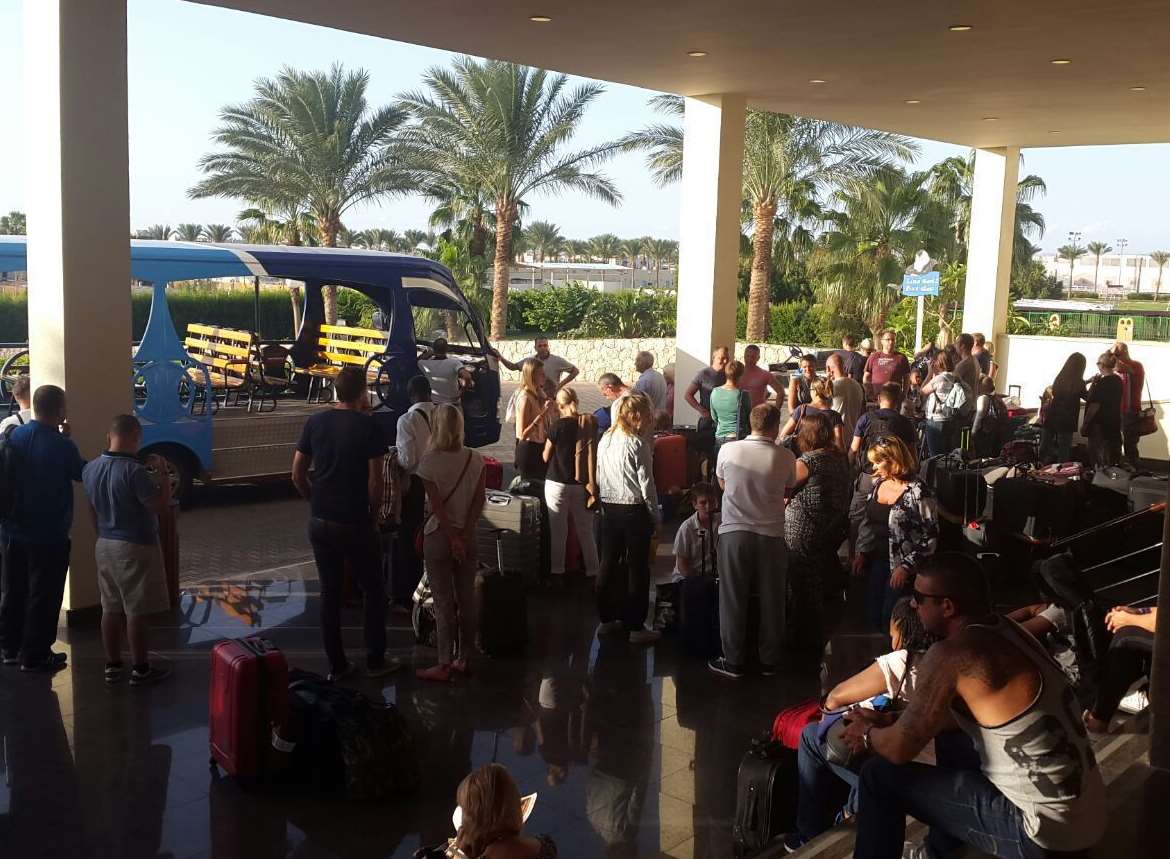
x: 875, y: 429
x: 958, y: 401
x: 9, y: 476
x: 996, y: 422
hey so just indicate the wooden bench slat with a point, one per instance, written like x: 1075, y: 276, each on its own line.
x: 341, y: 357
x: 348, y: 331
x: 236, y: 334
x: 216, y: 348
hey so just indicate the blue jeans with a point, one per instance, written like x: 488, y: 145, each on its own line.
x: 817, y: 778
x: 954, y: 799
x: 938, y: 437
x: 879, y: 596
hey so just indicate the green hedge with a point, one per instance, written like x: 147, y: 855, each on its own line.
x: 575, y: 310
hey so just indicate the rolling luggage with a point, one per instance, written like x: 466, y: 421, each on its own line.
x: 493, y: 473
x: 503, y: 613
x: 766, y: 791
x: 1146, y: 490
x: 248, y: 708
x: 1039, y: 510
x: 698, y: 608
x: 670, y: 463
x: 509, y: 532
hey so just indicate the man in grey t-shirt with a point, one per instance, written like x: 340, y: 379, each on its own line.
x: 707, y: 380
x: 558, y: 372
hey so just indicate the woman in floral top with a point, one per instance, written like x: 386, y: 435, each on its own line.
x: 901, y: 509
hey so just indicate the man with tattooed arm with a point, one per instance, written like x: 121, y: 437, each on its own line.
x: 1032, y: 789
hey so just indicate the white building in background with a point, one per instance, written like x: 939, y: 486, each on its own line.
x: 602, y: 276
x: 1118, y: 275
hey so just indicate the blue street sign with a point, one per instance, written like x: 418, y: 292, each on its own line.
x: 915, y: 285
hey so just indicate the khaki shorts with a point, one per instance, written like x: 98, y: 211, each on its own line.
x: 131, y: 578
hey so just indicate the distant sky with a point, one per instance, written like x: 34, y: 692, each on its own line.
x: 188, y: 60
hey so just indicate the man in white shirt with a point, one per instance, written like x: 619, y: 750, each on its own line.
x: 557, y: 371
x: 411, y: 442
x: 755, y: 474
x: 22, y: 393
x: 447, y: 375
x: 848, y: 395
x: 650, y: 382
x: 611, y: 386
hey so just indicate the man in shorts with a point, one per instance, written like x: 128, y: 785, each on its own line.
x: 125, y: 500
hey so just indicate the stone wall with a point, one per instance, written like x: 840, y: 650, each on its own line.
x: 616, y: 355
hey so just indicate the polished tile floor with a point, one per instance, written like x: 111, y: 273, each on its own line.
x: 633, y: 751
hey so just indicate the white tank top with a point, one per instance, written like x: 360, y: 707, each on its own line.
x: 1041, y: 760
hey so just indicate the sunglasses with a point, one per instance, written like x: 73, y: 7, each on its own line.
x: 919, y: 597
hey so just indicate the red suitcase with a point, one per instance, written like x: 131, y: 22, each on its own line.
x: 670, y: 463
x: 248, y: 707
x: 493, y: 473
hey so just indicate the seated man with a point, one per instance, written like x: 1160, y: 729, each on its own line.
x: 1036, y: 790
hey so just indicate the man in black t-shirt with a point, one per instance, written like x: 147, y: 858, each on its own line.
x: 1102, y: 422
x: 852, y: 361
x: 344, y: 447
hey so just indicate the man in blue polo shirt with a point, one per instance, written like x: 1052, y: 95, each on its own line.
x: 36, y: 535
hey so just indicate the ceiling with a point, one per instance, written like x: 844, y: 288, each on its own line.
x: 872, y: 56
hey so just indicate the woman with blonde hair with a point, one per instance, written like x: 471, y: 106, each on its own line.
x: 571, y: 486
x: 534, y: 409
x: 821, y: 393
x: 453, y: 479
x: 900, y: 524
x: 492, y: 816
x: 629, y: 511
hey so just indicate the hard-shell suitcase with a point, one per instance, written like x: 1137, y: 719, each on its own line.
x: 516, y: 521
x: 248, y: 707
x: 670, y: 463
x: 766, y: 792
x: 698, y: 610
x: 493, y: 473
x: 1146, y: 490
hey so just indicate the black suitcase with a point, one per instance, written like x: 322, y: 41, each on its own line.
x: 766, y: 791
x: 1039, y: 510
x: 698, y: 610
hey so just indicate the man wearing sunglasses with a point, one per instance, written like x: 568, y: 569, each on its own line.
x: 1035, y: 790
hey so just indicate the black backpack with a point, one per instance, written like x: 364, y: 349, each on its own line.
x: 875, y: 429
x: 9, y: 473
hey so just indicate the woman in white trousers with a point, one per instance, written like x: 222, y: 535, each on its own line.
x: 570, y: 487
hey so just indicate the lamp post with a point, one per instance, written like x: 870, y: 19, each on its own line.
x: 1121, y: 243
x: 1074, y: 241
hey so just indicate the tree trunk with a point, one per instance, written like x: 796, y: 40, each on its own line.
x: 1096, y: 274
x: 502, y: 263
x: 764, y: 225
x: 329, y: 228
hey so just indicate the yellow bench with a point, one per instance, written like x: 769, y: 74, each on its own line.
x: 228, y: 355
x: 340, y: 346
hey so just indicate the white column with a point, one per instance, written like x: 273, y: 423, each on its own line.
x: 989, y: 243
x: 712, y: 190
x: 78, y: 200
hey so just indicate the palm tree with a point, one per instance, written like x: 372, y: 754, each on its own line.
x: 13, y: 224
x: 1159, y: 258
x: 578, y: 250
x: 218, y: 233
x: 788, y: 162
x: 158, y: 232
x: 503, y: 129
x: 952, y: 183
x: 1098, y: 250
x: 412, y: 239
x: 189, y: 232
x: 544, y: 239
x: 1071, y: 253
x: 660, y: 251
x: 604, y: 248
x: 631, y: 250
x: 346, y: 237
x: 309, y: 142
x: 880, y: 223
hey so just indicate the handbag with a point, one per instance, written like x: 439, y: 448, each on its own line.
x: 836, y: 750
x: 420, y: 534
x: 1147, y: 418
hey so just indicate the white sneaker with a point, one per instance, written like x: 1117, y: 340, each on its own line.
x: 644, y: 636
x: 1135, y: 702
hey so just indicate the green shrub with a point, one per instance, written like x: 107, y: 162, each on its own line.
x: 630, y: 314
x: 354, y: 307
x: 559, y: 310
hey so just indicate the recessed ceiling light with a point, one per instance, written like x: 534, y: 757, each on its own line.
x: 815, y: 81
x: 1060, y: 61
x: 696, y: 53
x: 539, y: 19
x: 1137, y: 89
x: 991, y: 119
x: 913, y: 101
x: 960, y: 28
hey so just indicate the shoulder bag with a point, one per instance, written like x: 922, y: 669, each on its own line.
x: 1147, y: 418
x: 420, y: 533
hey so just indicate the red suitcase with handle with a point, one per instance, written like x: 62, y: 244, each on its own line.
x: 670, y: 464
x: 248, y: 707
x: 493, y: 473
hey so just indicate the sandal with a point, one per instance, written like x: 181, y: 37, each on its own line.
x: 439, y: 673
